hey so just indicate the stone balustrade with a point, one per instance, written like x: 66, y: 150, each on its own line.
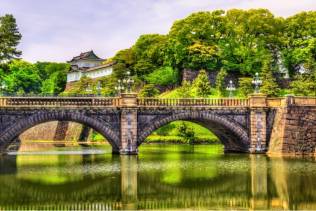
x: 58, y: 102
x: 132, y: 100
x: 193, y: 102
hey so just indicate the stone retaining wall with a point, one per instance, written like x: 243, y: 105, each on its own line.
x: 294, y: 131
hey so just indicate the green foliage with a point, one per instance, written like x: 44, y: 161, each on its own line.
x: 124, y: 61
x: 53, y: 76
x: 236, y: 40
x: 186, y: 132
x: 163, y: 76
x: 220, y: 81
x: 202, y: 85
x: 9, y: 39
x: 269, y: 85
x: 304, y: 84
x: 245, y: 86
x: 150, y: 47
x: 299, y: 35
x: 149, y: 90
x: 23, y: 78
x: 185, y: 91
x: 170, y: 133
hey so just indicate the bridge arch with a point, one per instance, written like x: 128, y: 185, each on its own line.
x: 23, y: 124
x: 232, y: 135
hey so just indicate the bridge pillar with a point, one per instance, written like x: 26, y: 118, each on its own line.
x: 128, y: 143
x: 258, y: 123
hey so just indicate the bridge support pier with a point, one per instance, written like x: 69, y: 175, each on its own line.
x: 128, y: 145
x: 258, y: 123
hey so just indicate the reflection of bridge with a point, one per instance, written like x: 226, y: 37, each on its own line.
x: 246, y: 125
x: 264, y: 186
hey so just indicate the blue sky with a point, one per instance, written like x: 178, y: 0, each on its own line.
x: 57, y: 30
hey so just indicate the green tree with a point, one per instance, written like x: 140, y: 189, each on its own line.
x: 163, y: 76
x: 9, y: 39
x: 53, y: 76
x: 220, y: 81
x: 269, y: 85
x: 192, y: 42
x: 299, y: 48
x: 304, y: 84
x: 202, y: 85
x: 185, y: 91
x: 245, y: 86
x: 186, y: 132
x: 150, y: 47
x: 149, y: 90
x: 23, y: 76
x: 124, y: 61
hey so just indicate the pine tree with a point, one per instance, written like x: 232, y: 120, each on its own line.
x: 202, y: 85
x: 185, y: 91
x: 269, y: 85
x: 220, y: 81
x: 9, y: 39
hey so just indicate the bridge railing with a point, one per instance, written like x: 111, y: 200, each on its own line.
x: 58, y: 101
x: 158, y: 102
x: 304, y: 101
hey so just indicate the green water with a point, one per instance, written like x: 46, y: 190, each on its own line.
x: 160, y: 177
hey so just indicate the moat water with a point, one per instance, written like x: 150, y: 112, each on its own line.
x: 160, y: 177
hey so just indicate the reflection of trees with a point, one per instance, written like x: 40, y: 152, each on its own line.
x: 125, y: 182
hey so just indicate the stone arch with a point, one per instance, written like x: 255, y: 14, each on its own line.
x: 21, y: 125
x: 232, y: 135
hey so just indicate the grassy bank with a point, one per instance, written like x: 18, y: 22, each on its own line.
x: 177, y: 132
x: 182, y: 132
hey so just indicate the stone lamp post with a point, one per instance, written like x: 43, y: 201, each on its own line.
x: 257, y: 82
x: 3, y: 86
x: 129, y: 82
x: 119, y: 88
x: 99, y: 88
x: 230, y: 88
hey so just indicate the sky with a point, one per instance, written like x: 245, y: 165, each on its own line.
x: 57, y: 30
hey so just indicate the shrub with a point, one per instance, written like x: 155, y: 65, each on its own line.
x: 202, y: 85
x: 185, y: 91
x: 245, y: 86
x: 149, y: 90
x: 186, y: 132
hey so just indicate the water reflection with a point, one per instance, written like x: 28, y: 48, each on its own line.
x: 160, y: 177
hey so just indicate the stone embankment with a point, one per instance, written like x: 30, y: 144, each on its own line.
x: 294, y: 128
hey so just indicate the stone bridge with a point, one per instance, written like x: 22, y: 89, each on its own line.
x: 257, y: 124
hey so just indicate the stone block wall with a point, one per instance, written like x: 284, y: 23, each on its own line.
x: 58, y: 131
x: 294, y: 131
x: 190, y: 75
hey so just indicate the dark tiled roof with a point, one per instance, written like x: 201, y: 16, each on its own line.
x: 74, y: 68
x: 90, y: 55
